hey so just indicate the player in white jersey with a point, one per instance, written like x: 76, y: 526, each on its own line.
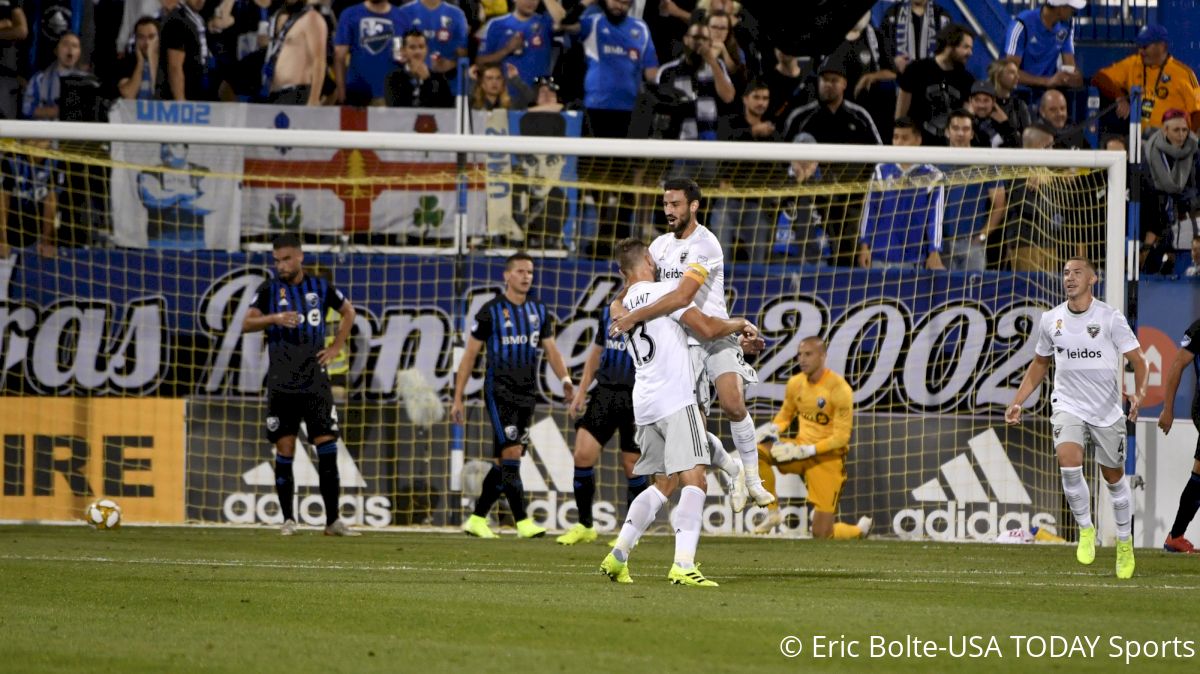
x: 1087, y: 338
x: 690, y: 258
x: 670, y: 429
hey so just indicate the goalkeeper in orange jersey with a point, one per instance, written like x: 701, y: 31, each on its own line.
x: 821, y: 401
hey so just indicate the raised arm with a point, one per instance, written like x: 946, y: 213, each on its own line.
x: 680, y: 297
x: 708, y: 328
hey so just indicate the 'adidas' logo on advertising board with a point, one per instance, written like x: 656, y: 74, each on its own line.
x: 970, y: 511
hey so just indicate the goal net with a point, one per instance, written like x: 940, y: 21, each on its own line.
x: 137, y: 247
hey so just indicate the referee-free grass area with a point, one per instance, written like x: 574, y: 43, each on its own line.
x: 247, y: 600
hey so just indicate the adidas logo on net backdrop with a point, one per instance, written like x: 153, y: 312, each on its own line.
x: 970, y: 511
x: 262, y: 506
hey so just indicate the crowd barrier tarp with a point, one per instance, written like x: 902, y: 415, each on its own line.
x: 168, y: 322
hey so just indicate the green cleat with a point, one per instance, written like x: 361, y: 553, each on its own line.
x: 691, y: 577
x: 1085, y: 552
x: 617, y: 571
x: 1125, y: 561
x: 577, y: 534
x: 478, y: 527
x: 527, y: 529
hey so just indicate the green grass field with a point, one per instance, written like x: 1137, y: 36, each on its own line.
x: 242, y: 600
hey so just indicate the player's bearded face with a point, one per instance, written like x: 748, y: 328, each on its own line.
x: 677, y: 210
x: 287, y: 263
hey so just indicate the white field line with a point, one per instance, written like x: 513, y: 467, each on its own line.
x: 971, y: 577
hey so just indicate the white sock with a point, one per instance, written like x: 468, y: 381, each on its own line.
x: 1122, y: 511
x: 721, y: 458
x: 687, y: 525
x: 1078, y: 496
x: 743, y: 440
x: 641, y: 515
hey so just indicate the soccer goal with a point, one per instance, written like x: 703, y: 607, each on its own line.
x: 126, y: 374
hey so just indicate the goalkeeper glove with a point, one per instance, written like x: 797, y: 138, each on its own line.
x: 788, y: 451
x: 768, y: 432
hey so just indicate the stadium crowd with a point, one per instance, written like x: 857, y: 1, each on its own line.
x: 687, y: 69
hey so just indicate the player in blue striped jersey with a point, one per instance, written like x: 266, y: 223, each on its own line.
x: 291, y: 308
x: 515, y: 328
x: 609, y: 410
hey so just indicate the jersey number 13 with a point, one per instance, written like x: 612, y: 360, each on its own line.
x: 641, y: 347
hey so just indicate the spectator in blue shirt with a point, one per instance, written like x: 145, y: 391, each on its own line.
x: 523, y: 39
x: 29, y: 193
x: 42, y: 94
x: 446, y: 32
x: 365, y: 34
x: 1037, y: 39
x: 619, y: 55
x: 902, y: 216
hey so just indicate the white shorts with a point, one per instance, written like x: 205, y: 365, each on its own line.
x: 1109, y: 441
x: 673, y: 444
x: 713, y: 359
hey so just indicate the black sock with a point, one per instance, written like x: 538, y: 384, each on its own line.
x: 1189, y: 500
x: 493, y: 486
x: 285, y: 486
x: 637, y: 485
x: 514, y: 491
x: 331, y: 487
x: 585, y: 492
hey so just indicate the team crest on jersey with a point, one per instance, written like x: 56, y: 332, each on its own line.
x: 283, y: 297
x: 820, y: 403
x: 1187, y: 339
x: 533, y: 320
x: 1093, y: 329
x: 1061, y: 35
x: 313, y: 300
x: 272, y: 424
x: 683, y: 256
x: 510, y: 432
x: 1057, y: 431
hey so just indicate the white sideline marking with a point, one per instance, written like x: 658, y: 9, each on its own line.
x: 932, y: 576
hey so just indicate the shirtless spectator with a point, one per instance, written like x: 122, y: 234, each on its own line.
x: 294, y: 69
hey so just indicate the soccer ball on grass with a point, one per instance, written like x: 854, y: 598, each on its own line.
x: 103, y: 514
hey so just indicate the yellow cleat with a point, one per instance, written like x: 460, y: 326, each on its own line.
x: 478, y: 527
x: 1125, y: 561
x: 690, y: 577
x: 616, y: 570
x: 577, y: 534
x: 527, y: 529
x: 1085, y: 552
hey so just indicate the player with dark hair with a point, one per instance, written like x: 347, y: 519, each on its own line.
x: 515, y: 327
x: 292, y: 307
x: 1088, y: 340
x: 691, y: 257
x: 1189, y: 500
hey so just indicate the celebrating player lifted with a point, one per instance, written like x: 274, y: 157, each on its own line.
x: 1086, y: 337
x: 690, y: 258
x: 670, y: 430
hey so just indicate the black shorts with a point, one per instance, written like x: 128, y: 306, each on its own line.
x: 510, y: 421
x: 610, y: 410
x: 1196, y: 423
x: 315, y: 408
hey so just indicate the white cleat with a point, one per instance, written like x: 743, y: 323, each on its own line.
x: 339, y: 528
x: 288, y: 528
x: 864, y: 525
x: 772, y: 521
x: 738, y: 496
x: 762, y: 497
